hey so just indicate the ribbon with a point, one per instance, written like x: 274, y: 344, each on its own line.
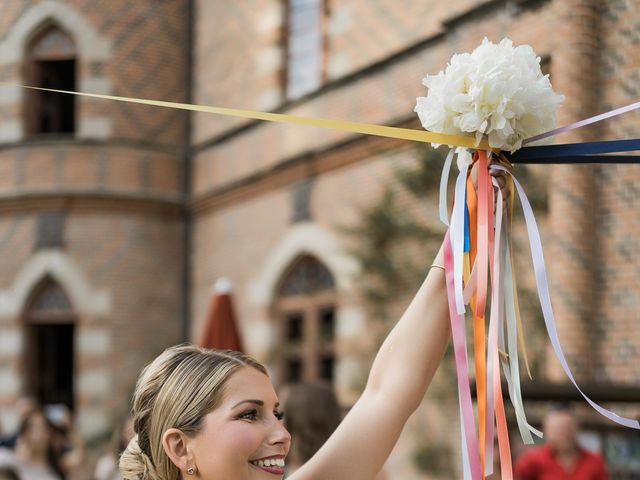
x: 531, y: 154
x: 458, y: 334
x: 343, y: 125
x: 444, y: 178
x: 535, y: 245
x: 457, y: 237
x: 547, y: 154
x: 493, y: 366
x: 582, y: 123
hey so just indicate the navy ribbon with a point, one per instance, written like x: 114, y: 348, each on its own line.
x: 570, y: 153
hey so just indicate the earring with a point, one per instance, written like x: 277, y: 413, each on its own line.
x: 191, y: 471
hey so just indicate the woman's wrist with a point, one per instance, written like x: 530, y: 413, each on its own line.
x: 439, y: 258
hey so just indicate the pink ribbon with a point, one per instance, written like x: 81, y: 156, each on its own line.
x: 460, y: 353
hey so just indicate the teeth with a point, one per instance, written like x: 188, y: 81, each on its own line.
x: 269, y: 462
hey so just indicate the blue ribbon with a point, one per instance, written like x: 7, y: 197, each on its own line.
x: 588, y: 152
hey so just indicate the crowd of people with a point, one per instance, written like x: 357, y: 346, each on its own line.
x: 45, y: 445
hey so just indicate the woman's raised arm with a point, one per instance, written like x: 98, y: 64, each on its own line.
x: 399, y: 377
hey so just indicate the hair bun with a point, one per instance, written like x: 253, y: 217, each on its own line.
x: 135, y: 464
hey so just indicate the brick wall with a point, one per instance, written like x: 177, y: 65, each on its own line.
x: 617, y: 282
x: 119, y: 182
x: 133, y: 262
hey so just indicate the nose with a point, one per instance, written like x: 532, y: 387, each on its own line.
x: 280, y: 435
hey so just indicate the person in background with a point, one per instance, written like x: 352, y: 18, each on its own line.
x: 312, y: 413
x: 35, y: 456
x: 24, y: 406
x: 561, y: 458
x: 67, y: 441
x: 107, y: 465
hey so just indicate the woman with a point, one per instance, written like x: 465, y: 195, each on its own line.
x: 36, y: 456
x: 215, y: 415
x: 313, y: 413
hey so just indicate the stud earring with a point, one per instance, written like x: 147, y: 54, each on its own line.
x: 191, y: 470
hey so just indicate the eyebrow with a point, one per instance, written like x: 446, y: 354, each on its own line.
x: 255, y: 402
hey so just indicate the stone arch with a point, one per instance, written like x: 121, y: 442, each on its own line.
x: 92, y: 46
x: 305, y: 275
x: 303, y: 239
x: 50, y: 60
x: 58, y: 266
x: 49, y: 328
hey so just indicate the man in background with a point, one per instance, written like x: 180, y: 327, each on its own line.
x: 561, y: 458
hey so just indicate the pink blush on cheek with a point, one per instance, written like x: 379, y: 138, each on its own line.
x: 243, y: 438
x: 224, y: 450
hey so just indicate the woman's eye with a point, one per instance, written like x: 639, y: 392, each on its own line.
x: 279, y: 415
x: 249, y: 415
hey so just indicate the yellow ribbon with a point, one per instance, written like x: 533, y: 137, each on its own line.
x: 343, y: 125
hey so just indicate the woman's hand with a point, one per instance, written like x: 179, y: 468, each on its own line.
x: 501, y: 179
x: 503, y: 185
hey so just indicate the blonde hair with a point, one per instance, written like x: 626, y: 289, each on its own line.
x: 176, y: 390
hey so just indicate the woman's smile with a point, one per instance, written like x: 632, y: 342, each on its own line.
x: 274, y: 464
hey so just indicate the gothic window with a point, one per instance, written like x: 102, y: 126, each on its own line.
x: 49, y: 353
x: 305, y: 44
x: 306, y: 313
x: 50, y: 62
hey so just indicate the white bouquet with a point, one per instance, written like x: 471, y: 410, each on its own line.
x: 497, y: 92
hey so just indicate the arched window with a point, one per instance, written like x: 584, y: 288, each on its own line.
x: 304, y: 46
x: 50, y: 63
x: 305, y: 310
x: 49, y: 358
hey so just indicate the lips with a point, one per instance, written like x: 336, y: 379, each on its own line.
x: 273, y: 465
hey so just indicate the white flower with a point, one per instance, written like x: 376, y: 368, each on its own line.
x: 497, y: 92
x: 465, y: 158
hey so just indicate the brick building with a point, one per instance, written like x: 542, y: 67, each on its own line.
x: 92, y: 216
x: 116, y: 219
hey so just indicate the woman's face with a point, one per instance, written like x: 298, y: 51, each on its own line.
x: 38, y: 433
x: 243, y: 438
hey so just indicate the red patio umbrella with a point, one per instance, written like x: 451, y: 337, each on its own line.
x: 220, y: 328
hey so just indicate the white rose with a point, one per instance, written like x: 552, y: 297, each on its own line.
x: 497, y: 92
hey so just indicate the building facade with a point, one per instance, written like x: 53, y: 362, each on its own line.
x: 92, y: 223
x: 117, y: 219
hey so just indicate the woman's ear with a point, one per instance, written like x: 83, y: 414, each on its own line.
x: 175, y: 444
